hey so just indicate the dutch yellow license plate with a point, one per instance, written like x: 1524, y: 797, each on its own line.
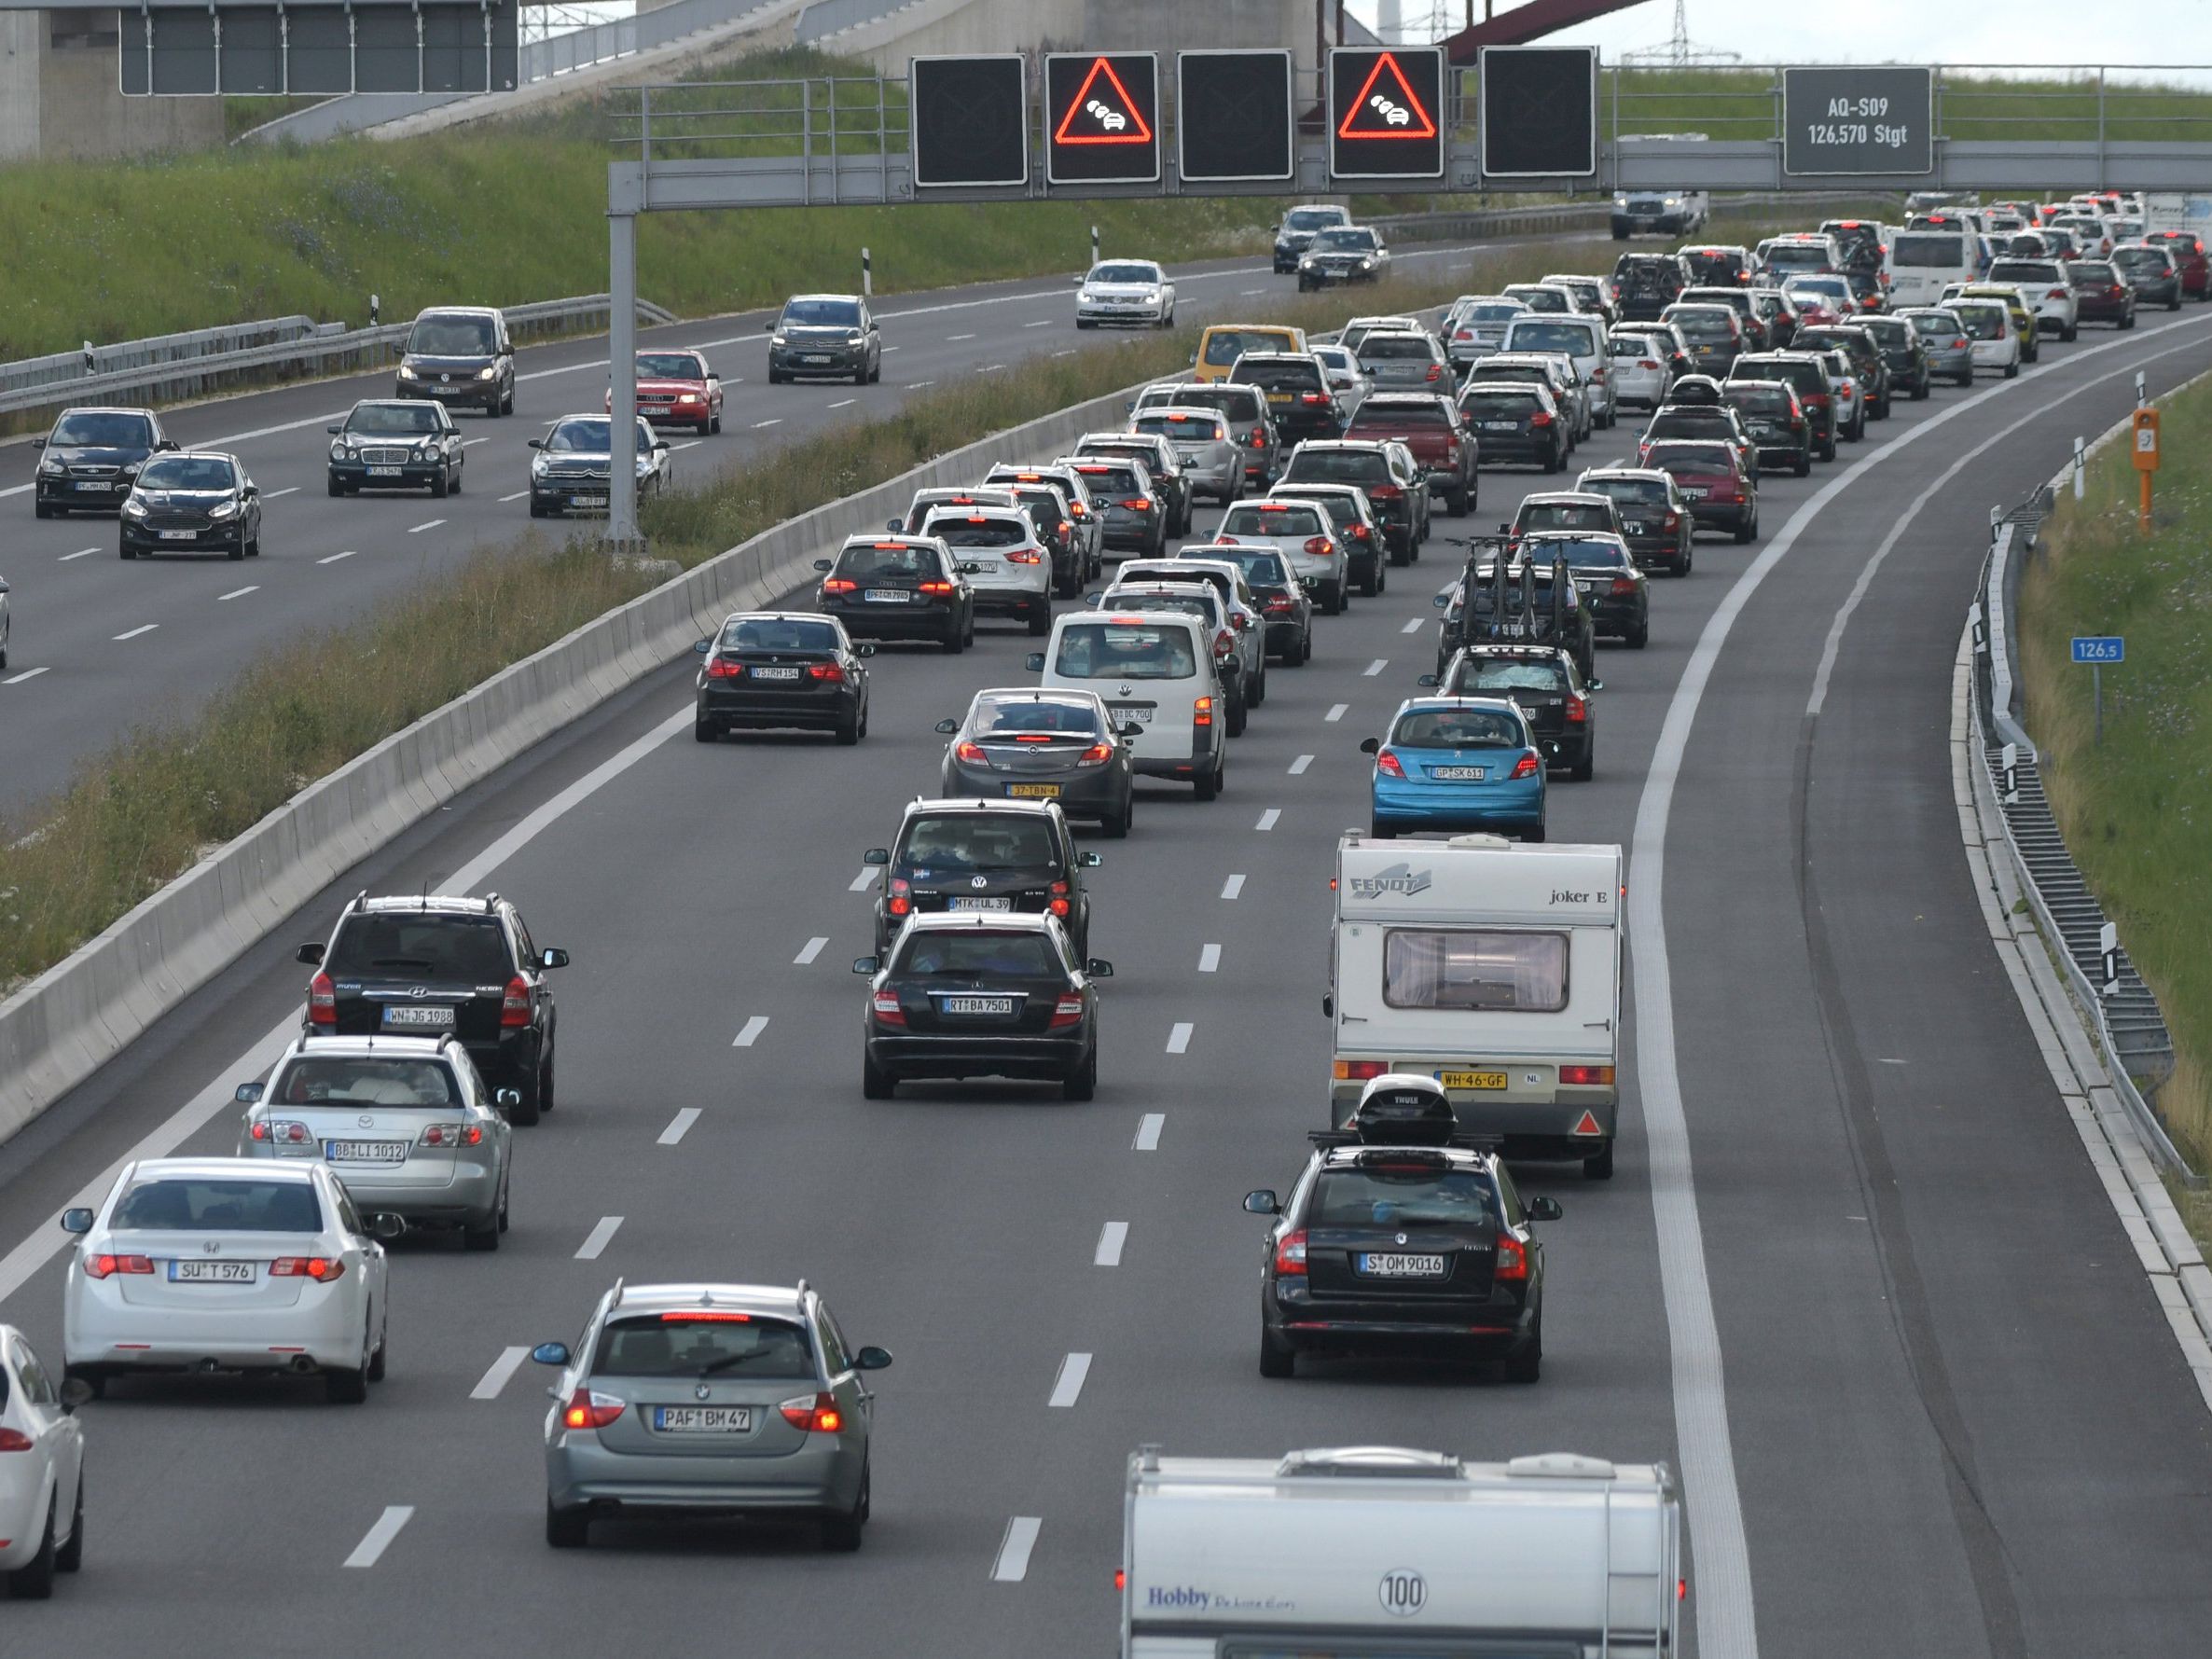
x: 1043, y: 792
x: 1472, y: 1079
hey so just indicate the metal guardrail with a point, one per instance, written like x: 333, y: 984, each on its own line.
x: 348, y: 348
x: 160, y: 348
x: 1487, y: 221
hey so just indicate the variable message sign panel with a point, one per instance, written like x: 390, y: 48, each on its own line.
x: 1872, y: 120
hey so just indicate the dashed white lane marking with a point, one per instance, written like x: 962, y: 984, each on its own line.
x: 1269, y: 819
x: 1069, y: 353
x: 918, y: 385
x: 678, y: 1127
x: 18, y: 679
x: 1337, y: 712
x: 751, y: 1034
x: 1012, y: 1563
x: 470, y: 443
x: 1178, y: 1038
x: 1067, y: 1386
x: 812, y: 949
x: 379, y: 1536
x: 426, y: 524
x: 1209, y: 958
x: 862, y: 882
x: 238, y: 593
x: 772, y: 421
x: 1231, y: 887
x: 143, y: 628
x: 990, y: 368
x: 1148, y: 1132
x: 601, y: 1235
x: 844, y: 403
x: 517, y: 496
x: 1375, y: 667
x: 287, y: 490
x: 1412, y: 625
x: 502, y: 1371
x: 1248, y: 293
x: 1041, y: 323
x: 80, y: 553
x: 690, y: 443
x: 1112, y: 1237
x: 954, y: 337
x: 1298, y: 767
x: 892, y: 348
x: 350, y: 551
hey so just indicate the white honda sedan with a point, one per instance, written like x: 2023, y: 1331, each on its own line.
x: 42, y: 1460
x: 226, y: 1265
x: 1124, y: 291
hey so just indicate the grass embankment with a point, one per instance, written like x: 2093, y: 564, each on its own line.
x: 2136, y: 810
x: 139, y: 813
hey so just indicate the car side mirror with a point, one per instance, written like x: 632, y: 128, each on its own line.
x: 864, y: 649
x: 895, y: 525
x: 1089, y: 860
x: 1544, y: 1209
x: 823, y: 565
x: 768, y: 326
x: 39, y: 443
x: 1131, y: 731
x: 867, y: 965
x: 537, y: 443
x: 1593, y: 685
x: 333, y: 430
x: 1094, y: 600
x: 311, y: 954
x: 74, y: 1392
x: 1263, y: 1202
x: 506, y: 1100
x: 385, y: 1225
x: 876, y: 855
x: 1328, y: 1005
x: 1370, y: 745
x: 1034, y: 662
x: 550, y: 1353
x: 871, y: 1359
x: 1430, y: 680
x: 1505, y: 530
x: 1440, y: 599
x: 947, y: 727
x: 247, y: 1094
x: 77, y: 1221
x: 1099, y: 968
x: 660, y: 443
x: 971, y: 570
x: 553, y: 957
x: 703, y: 646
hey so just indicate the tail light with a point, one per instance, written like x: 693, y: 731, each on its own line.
x: 1578, y: 711
x: 719, y: 670
x: 99, y: 1267
x: 1389, y: 764
x: 514, y: 1007
x: 1386, y: 492
x: 817, y: 1414
x: 588, y: 1408
x: 1732, y: 492
x: 900, y: 895
x: 280, y: 1132
x: 1463, y: 334
x: 322, y: 1269
x: 1313, y: 398
x: 1067, y: 1013
x: 829, y: 672
x: 1623, y: 585
x: 1139, y: 504
x: 1435, y: 372
x: 1097, y: 754
x: 1225, y: 643
x: 1059, y: 899
x: 1223, y: 539
x: 1796, y: 423
x: 839, y: 585
x: 939, y: 587
x: 1674, y: 522
x: 1360, y: 1070
x: 2055, y: 294
x: 1588, y: 1076
x: 1290, y: 1255
x: 1360, y: 533
x: 1318, y: 546
x: 887, y: 1011
x: 321, y: 1001
x: 1959, y: 344
x: 973, y: 754
x: 2116, y: 290
x: 452, y: 1135
x: 1645, y: 363
x: 1078, y: 510
x: 1512, y: 1260
x: 1541, y: 418
x: 1202, y: 712
x: 14, y: 1440
x: 1259, y: 437
x: 1277, y: 606
x: 1526, y: 766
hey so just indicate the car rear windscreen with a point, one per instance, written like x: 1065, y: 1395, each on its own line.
x: 1057, y: 716
x: 1224, y: 346
x: 1278, y: 374
x: 1922, y: 250
x: 453, y: 950
x: 1273, y: 523
x: 1339, y: 466
x: 896, y: 562
x: 1499, y: 406
x: 964, y: 955
x: 1797, y: 257
x: 1396, y: 347
x: 1482, y: 675
x: 1411, y: 1193
x: 1375, y: 414
x: 1127, y: 651
x: 366, y: 1080
x: 963, y: 531
x: 1694, y: 458
x: 707, y: 1343
x: 1575, y: 339
x: 1642, y: 491
x: 971, y: 842
x: 1566, y: 515
x: 1181, y: 428
x: 1457, y: 728
x: 1704, y: 324
x: 191, y: 1204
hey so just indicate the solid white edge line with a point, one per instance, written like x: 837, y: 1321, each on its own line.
x: 1067, y: 1387
x: 1178, y: 1037
x: 862, y: 882
x: 751, y: 1034
x: 679, y: 1126
x: 596, y: 1241
x: 1012, y: 1564
x: 1148, y: 1132
x: 813, y: 949
x: 1209, y: 958
x: 499, y: 1373
x: 379, y: 1537
x: 1112, y: 1237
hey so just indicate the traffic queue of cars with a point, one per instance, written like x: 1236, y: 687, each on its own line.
x: 429, y: 1032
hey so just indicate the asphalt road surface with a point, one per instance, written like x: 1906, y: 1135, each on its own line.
x: 1852, y: 1235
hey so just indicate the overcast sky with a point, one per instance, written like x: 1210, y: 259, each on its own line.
x: 1891, y: 31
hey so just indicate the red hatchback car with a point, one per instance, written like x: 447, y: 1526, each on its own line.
x: 677, y: 389
x: 2188, y: 249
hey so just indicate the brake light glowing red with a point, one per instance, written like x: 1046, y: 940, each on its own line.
x: 1097, y: 754
x: 839, y: 585
x: 961, y: 751
x: 281, y: 1132
x: 1202, y: 712
x: 514, y: 1007
x: 901, y: 902
x: 99, y: 1267
x: 721, y: 670
x: 1526, y: 765
x: 1386, y: 492
x: 937, y: 586
x: 1435, y: 372
x: 1360, y: 1070
x: 829, y: 672
x: 454, y: 1135
x: 1059, y: 899
x: 1290, y: 1255
x: 588, y: 1408
x: 1543, y: 417
x: 1623, y: 586
x: 322, y: 1269
x: 13, y: 1440
x: 817, y: 1414
x: 1389, y: 764
x: 321, y: 1001
x: 1588, y: 1076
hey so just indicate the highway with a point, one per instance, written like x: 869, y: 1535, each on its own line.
x: 1855, y: 1278
x: 100, y: 647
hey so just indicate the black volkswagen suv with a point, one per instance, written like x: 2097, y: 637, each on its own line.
x: 460, y: 355
x: 984, y: 858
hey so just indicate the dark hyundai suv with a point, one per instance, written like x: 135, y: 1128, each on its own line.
x: 91, y: 459
x: 422, y: 966
x: 984, y: 857
x: 460, y: 355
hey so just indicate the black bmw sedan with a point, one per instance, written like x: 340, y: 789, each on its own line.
x: 768, y: 668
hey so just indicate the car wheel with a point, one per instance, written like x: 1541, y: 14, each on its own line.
x: 1582, y: 769
x: 527, y: 1110
x: 1115, y: 827
x: 2012, y: 371
x: 1334, y: 605
x: 348, y: 1385
x: 337, y: 490
x: 2174, y: 304
x: 39, y: 509
x: 876, y: 1084
x: 1370, y: 584
x: 1804, y: 466
x: 2128, y: 321
x: 1210, y: 786
x: 1533, y: 836
x: 1277, y: 1358
x: 1239, y: 716
x: 704, y: 731
x: 952, y: 640
x: 849, y: 729
x: 34, y: 1580
x: 712, y: 426
x: 1641, y: 637
x: 841, y: 1531
x: 454, y: 485
x: 567, y: 1528
x: 1746, y: 532
x: 441, y: 486
x: 1083, y: 1082
x: 2072, y: 329
x: 1456, y: 503
x: 238, y: 549
x: 537, y: 507
x: 69, y: 1557
x: 1598, y: 1166
x: 483, y: 1237
x: 1827, y: 449
x: 1040, y: 621
x: 1259, y: 684
x: 1526, y: 1363
x: 375, y: 1361
x: 94, y: 1380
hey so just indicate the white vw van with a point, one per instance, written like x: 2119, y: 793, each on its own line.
x: 1154, y: 669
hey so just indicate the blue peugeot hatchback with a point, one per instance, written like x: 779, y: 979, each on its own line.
x: 1457, y: 763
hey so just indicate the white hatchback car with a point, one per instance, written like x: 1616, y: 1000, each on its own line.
x: 1989, y: 327
x: 42, y: 1465
x: 1124, y: 291
x: 226, y: 1265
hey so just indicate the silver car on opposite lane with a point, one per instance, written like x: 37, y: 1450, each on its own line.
x: 405, y: 1122
x: 709, y: 1400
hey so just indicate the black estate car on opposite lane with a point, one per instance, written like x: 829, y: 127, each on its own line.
x: 91, y: 458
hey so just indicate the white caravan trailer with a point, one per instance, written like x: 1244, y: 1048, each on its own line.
x: 1360, y: 1551
x: 1492, y: 966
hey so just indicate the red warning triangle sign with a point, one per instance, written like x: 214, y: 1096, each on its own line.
x: 1586, y: 1124
x: 1389, y: 111
x: 1103, y: 115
